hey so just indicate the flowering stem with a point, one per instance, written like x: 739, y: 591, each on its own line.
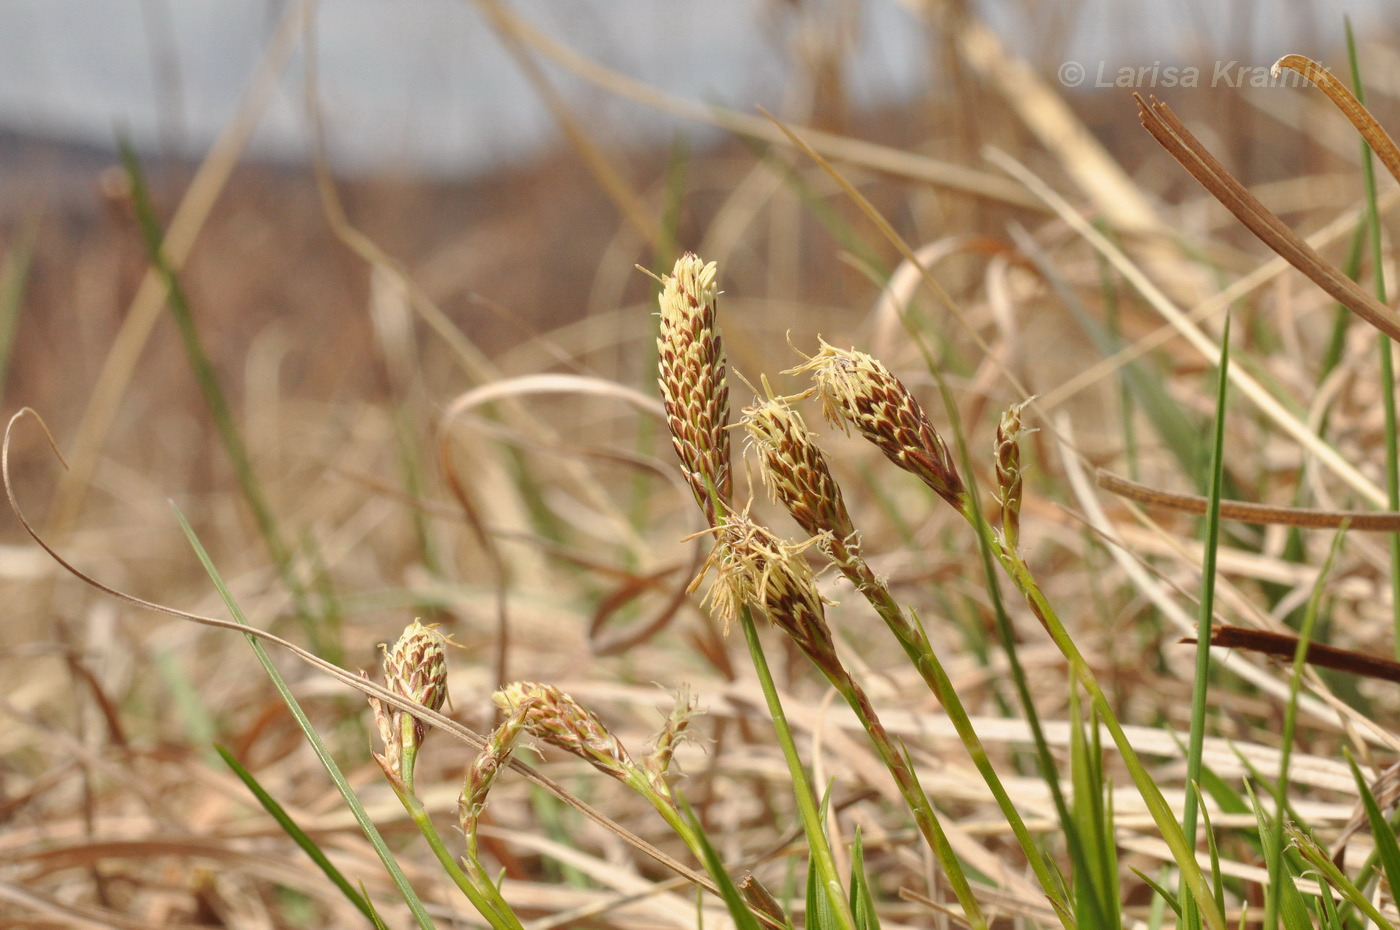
x: 1182, y: 851
x: 914, y: 641
x: 821, y: 858
x: 483, y: 895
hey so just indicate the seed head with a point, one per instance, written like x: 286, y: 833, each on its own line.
x: 415, y: 667
x: 795, y: 470
x: 692, y: 379
x: 858, y: 390
x: 551, y: 716
x: 1008, y: 457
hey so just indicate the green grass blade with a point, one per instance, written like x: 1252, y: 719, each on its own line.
x: 219, y: 411
x: 298, y: 835
x: 352, y: 801
x: 1196, y: 745
x: 1161, y: 891
x: 817, y: 843
x: 1387, y: 849
x: 1290, y: 714
x: 733, y: 900
x: 1291, y: 909
x: 1317, y: 857
x: 1392, y: 451
x: 862, y: 902
x: 14, y: 276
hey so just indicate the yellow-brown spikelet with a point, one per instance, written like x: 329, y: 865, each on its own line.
x: 693, y: 385
x: 795, y: 470
x: 554, y: 717
x: 754, y: 567
x: 1008, y: 463
x: 415, y: 667
x: 857, y: 390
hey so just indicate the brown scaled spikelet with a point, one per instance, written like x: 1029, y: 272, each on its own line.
x: 553, y: 717
x: 415, y: 667
x: 858, y: 390
x: 693, y: 386
x: 1008, y: 463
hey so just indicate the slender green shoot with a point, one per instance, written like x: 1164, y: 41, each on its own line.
x: 298, y: 835
x: 1199, y: 689
x: 819, y: 846
x: 1387, y: 368
x: 352, y: 800
x: 1290, y: 723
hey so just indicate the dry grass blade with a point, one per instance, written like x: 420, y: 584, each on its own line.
x: 421, y: 712
x: 854, y: 151
x: 1245, y: 512
x: 1173, y: 135
x: 1375, y: 135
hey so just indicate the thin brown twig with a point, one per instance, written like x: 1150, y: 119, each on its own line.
x: 1245, y: 512
x: 1354, y: 110
x: 1285, y: 646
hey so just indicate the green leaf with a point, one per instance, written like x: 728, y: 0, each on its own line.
x: 1317, y: 857
x: 1387, y: 848
x: 862, y: 902
x: 1162, y: 892
x: 1291, y: 908
x: 298, y: 835
x: 733, y: 900
x: 351, y: 799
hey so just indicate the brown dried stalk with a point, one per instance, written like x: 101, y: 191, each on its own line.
x: 693, y: 385
x: 1285, y: 646
x: 1245, y: 512
x: 1351, y: 108
x: 1164, y: 126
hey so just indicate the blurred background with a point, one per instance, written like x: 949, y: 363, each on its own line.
x: 375, y: 207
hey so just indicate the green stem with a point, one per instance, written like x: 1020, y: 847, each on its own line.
x: 913, y: 793
x: 820, y: 849
x: 913, y: 639
x: 1157, y: 806
x: 489, y: 903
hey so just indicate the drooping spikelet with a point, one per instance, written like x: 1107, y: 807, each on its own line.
x: 415, y: 667
x: 1008, y: 458
x: 693, y: 385
x: 858, y: 390
x: 553, y: 717
x: 795, y: 470
x: 753, y: 566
